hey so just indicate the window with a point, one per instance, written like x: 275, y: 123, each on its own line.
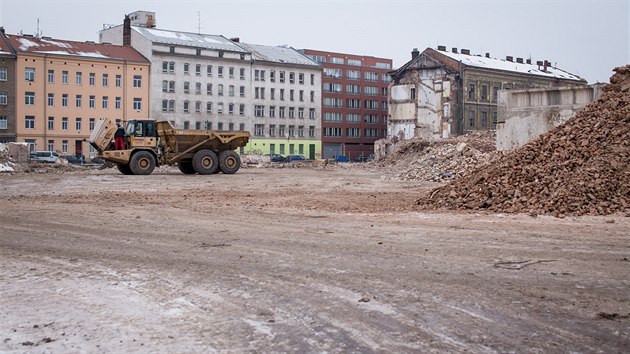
x: 272, y: 111
x: 137, y: 81
x: 77, y: 124
x: 335, y: 60
x: 92, y: 123
x: 220, y: 71
x: 242, y: 91
x: 220, y: 126
x: 29, y: 98
x: 105, y: 98
x: 29, y: 74
x: 51, y: 99
x: 51, y: 145
x: 353, y: 74
x: 171, y: 86
x: 186, y: 106
x: 197, y: 125
x: 137, y: 104
x: 164, y: 105
x: 311, y: 131
x: 171, y: 106
x: 291, y: 130
x: 241, y: 109
x: 64, y: 77
x: 301, y: 78
x: 198, y: 88
x: 353, y: 132
x: 484, y: 92
x: 300, y: 132
x: 281, y: 132
x: 312, y: 96
x: 209, y: 70
x: 3, y: 98
x: 164, y: 66
x: 198, y: 52
x: 281, y: 112
x: 220, y: 90
x: 281, y: 94
x: 29, y: 122
x: 471, y: 92
x: 231, y: 72
x: 353, y: 103
x: 386, y: 78
x: 64, y: 123
x: 79, y: 101
x: 79, y: 78
x: 301, y: 112
x: 311, y: 113
x: 231, y: 109
x: 171, y: 67
x: 371, y: 119
x: 272, y: 75
x: 369, y: 104
x: 495, y: 93
x: 370, y: 76
x: 118, y: 102
x: 291, y: 94
x: 353, y: 118
x: 259, y: 129
x: 312, y: 79
x: 354, y: 62
x: 51, y: 75
x: 370, y: 133
x: 332, y: 117
x: 272, y: 130
x: 494, y: 120
x: 208, y: 89
x: 51, y: 123
x: 333, y: 102
x: 291, y: 77
x: 291, y: 112
x: 242, y: 73
x: 198, y: 69
x: 186, y: 87
x: 484, y: 119
x: 171, y: 50
x: 374, y: 91
x: 318, y: 58
x: 471, y: 118
x: 281, y: 77
x: 231, y: 91
x: 259, y: 111
x: 164, y: 85
x: 64, y: 100
x: 208, y: 107
x: 92, y: 101
x: 413, y: 94
x: 220, y: 109
x: 331, y: 131
x: 3, y: 122
x: 92, y: 79
x: 105, y: 80
x: 186, y: 69
x: 64, y: 146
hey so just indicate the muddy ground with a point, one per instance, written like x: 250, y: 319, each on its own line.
x: 296, y: 260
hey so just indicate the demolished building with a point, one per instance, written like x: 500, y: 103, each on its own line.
x: 439, y: 93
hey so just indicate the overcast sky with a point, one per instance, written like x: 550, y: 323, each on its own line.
x: 584, y: 37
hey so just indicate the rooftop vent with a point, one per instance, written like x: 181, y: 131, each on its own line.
x: 528, y: 61
x: 509, y: 58
x: 235, y: 39
x: 47, y: 38
x: 466, y: 51
x: 519, y: 60
x: 454, y: 50
x: 487, y: 55
x: 442, y: 48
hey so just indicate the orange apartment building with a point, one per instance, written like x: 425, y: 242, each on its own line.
x: 63, y: 87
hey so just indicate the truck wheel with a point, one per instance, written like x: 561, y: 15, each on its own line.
x: 142, y: 163
x: 205, y: 162
x: 229, y: 162
x: 186, y: 167
x: 124, y: 169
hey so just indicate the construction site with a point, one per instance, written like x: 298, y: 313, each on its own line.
x: 439, y: 246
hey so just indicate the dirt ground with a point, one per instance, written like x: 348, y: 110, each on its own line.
x: 296, y: 260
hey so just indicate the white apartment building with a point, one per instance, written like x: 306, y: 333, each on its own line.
x: 202, y: 81
x: 286, y: 91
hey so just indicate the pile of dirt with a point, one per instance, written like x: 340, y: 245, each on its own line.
x: 580, y: 168
x: 441, y: 160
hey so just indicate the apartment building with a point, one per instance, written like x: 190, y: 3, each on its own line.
x: 439, y: 92
x: 286, y: 91
x: 205, y: 81
x: 7, y: 90
x: 354, y: 102
x: 62, y: 88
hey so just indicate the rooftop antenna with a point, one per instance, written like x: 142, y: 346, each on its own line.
x: 199, y: 22
x: 37, y: 32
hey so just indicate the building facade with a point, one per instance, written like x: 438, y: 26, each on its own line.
x: 439, y: 93
x: 210, y: 82
x: 63, y: 87
x: 354, y: 102
x: 7, y: 90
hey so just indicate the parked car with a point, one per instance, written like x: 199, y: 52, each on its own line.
x: 364, y: 158
x: 45, y: 156
x: 291, y: 158
x: 342, y: 158
x: 75, y: 160
x: 275, y: 157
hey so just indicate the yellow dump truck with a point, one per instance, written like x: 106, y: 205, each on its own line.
x: 149, y: 143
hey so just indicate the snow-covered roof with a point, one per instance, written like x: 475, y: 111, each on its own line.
x: 501, y: 64
x: 46, y: 45
x: 279, y: 54
x: 197, y: 40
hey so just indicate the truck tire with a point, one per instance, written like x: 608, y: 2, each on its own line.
x: 142, y: 163
x: 124, y: 169
x: 186, y: 167
x: 205, y: 162
x: 229, y: 162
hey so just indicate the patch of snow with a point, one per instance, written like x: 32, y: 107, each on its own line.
x: 58, y: 44
x: 6, y: 167
x: 26, y: 43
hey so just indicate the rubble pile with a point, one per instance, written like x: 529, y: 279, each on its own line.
x: 14, y: 157
x: 580, y: 168
x: 441, y: 160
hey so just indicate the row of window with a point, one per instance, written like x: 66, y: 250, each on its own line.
x: 355, y: 75
x: 330, y: 87
x: 335, y: 117
x: 354, y: 103
x: 259, y: 111
x: 259, y: 75
x: 353, y: 62
x: 29, y: 123
x: 483, y: 93
x: 30, y: 75
x: 283, y: 131
x: 29, y: 100
x: 259, y: 93
x: 483, y: 122
x: 332, y: 132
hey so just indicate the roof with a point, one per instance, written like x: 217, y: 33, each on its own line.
x: 197, y: 40
x: 504, y: 65
x: 5, y: 48
x: 47, y: 45
x: 452, y: 61
x: 278, y: 54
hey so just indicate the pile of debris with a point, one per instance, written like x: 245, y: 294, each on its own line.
x: 441, y: 160
x: 14, y: 157
x: 580, y: 168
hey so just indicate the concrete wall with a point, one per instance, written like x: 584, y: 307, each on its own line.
x: 526, y: 114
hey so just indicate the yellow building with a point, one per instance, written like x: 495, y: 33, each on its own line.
x: 63, y: 87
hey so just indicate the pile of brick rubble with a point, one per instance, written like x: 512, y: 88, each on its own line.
x: 441, y: 160
x: 580, y: 168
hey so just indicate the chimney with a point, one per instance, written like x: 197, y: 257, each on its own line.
x: 2, y: 29
x: 235, y: 39
x: 442, y: 48
x: 466, y: 51
x: 414, y: 53
x: 546, y: 65
x: 487, y: 55
x: 127, y: 31
x: 454, y: 50
x: 519, y: 60
x: 509, y: 58
x: 528, y: 61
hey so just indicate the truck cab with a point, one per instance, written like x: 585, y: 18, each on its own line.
x: 141, y: 133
